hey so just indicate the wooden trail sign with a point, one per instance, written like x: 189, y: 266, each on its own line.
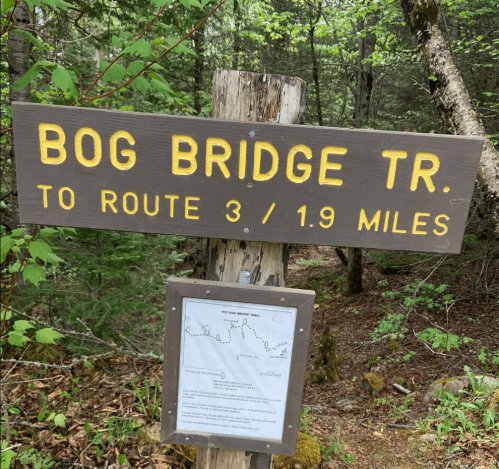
x: 243, y: 180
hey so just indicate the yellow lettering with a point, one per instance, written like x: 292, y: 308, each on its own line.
x: 156, y: 205
x: 394, y: 155
x: 387, y: 219
x: 127, y: 152
x: 218, y: 159
x: 71, y: 198
x: 306, y: 168
x: 235, y: 211
x: 395, y: 221
x: 364, y: 221
x: 178, y: 155
x: 418, y: 223
x: 268, y: 213
x: 325, y: 165
x: 135, y: 203
x: 110, y: 202
x: 426, y: 174
x: 172, y: 202
x: 441, y: 225
x: 190, y: 207
x: 303, y: 212
x: 44, y: 189
x: 242, y: 159
x: 329, y: 217
x: 55, y: 144
x: 97, y: 147
x: 257, y: 175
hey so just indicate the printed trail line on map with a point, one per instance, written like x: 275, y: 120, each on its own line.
x: 222, y: 337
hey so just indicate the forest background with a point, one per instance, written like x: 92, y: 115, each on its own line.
x: 362, y: 66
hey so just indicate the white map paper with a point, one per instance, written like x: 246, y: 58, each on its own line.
x: 234, y: 367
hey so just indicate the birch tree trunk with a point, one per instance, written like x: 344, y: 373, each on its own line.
x: 250, y: 97
x: 447, y: 87
x: 18, y: 59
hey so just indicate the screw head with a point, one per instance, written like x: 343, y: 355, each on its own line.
x: 169, y: 412
x: 290, y: 427
x: 252, y: 133
x: 174, y: 309
x: 246, y: 230
x: 187, y: 439
x: 282, y: 300
x: 247, y: 275
x: 207, y: 292
x: 301, y: 330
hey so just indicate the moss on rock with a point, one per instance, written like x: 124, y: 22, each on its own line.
x: 372, y: 383
x: 308, y: 455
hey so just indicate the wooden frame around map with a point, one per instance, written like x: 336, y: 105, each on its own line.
x: 176, y: 290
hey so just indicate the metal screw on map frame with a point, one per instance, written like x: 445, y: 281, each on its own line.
x: 246, y: 230
x: 301, y: 330
x: 252, y: 133
x: 174, y: 309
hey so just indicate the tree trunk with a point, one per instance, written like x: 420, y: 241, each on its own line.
x: 198, y: 68
x: 366, y: 44
x: 18, y: 58
x: 251, y: 97
x: 315, y: 69
x: 446, y: 85
x: 236, y: 48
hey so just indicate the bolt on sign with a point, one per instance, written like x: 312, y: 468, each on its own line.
x: 242, y: 180
x: 235, y: 359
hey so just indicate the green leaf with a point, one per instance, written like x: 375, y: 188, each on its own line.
x: 39, y: 248
x: 180, y: 49
x: 7, y: 4
x: 60, y: 420
x: 61, y: 4
x: 6, y: 243
x: 16, y: 267
x: 121, y: 459
x: 117, y: 42
x: 162, y: 87
x: 191, y: 3
x: 141, y: 84
x: 135, y: 67
x: 142, y: 48
x: 17, y: 339
x: 48, y: 232
x: 22, y: 326
x: 53, y: 259
x: 62, y: 79
x: 32, y: 74
x: 157, y: 67
x: 5, y: 315
x: 31, y: 38
x: 47, y: 336
x: 34, y: 273
x: 114, y: 73
x: 18, y: 232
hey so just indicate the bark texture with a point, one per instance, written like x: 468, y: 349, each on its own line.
x: 250, y: 97
x: 447, y: 87
x: 18, y: 59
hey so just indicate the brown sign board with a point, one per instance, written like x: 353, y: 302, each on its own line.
x: 242, y: 180
x: 235, y: 359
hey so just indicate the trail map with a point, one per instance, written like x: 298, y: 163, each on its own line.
x: 234, y: 367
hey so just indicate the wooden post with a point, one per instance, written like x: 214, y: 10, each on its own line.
x: 250, y: 97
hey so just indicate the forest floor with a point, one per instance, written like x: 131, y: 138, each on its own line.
x: 111, y: 405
